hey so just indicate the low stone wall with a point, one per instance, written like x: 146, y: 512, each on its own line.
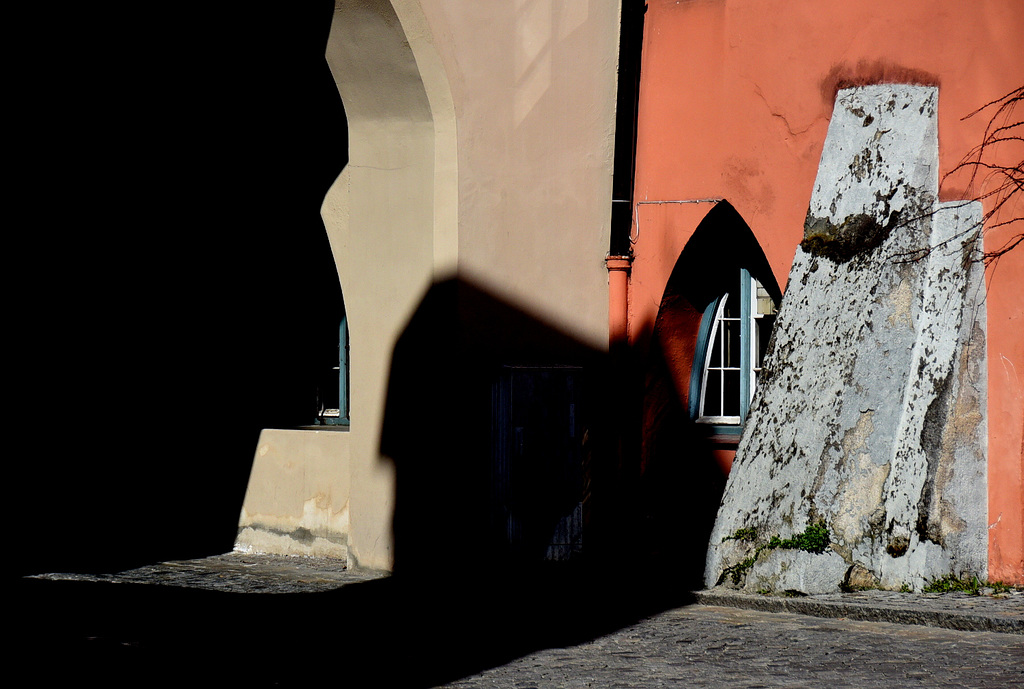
x: 297, y: 500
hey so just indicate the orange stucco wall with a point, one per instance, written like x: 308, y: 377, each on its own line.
x: 735, y: 101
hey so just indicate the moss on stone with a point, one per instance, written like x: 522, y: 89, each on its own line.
x: 857, y: 234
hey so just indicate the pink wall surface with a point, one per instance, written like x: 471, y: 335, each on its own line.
x: 735, y: 101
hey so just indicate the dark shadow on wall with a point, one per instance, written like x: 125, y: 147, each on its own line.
x: 483, y: 494
x: 511, y: 439
x: 498, y: 428
x: 681, y: 482
x: 176, y: 291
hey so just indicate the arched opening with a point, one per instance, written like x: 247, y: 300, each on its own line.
x: 289, y: 294
x: 686, y: 446
x: 386, y: 240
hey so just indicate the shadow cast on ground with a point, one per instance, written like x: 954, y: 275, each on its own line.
x: 388, y: 632
x: 467, y: 593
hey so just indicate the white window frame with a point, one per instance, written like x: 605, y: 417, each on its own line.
x: 711, y: 329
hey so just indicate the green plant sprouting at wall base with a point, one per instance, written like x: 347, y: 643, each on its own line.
x: 746, y: 534
x: 814, y: 539
x: 970, y: 585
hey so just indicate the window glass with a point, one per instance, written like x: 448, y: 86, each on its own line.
x: 734, y: 351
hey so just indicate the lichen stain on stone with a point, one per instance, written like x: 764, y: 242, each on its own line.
x: 898, y: 546
x: 303, y: 536
x: 862, y: 165
x: 857, y: 234
x: 857, y: 499
x: 824, y: 464
x: 931, y: 443
x: 858, y: 494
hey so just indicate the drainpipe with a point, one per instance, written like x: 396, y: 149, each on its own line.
x: 620, y: 253
x: 613, y: 472
x: 618, y: 301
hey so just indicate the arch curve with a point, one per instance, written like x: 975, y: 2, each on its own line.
x: 392, y: 220
x: 720, y: 246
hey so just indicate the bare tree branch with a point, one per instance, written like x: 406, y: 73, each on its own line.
x: 1009, y: 180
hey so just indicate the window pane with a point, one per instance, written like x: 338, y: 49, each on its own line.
x: 765, y: 304
x: 732, y: 305
x: 712, y: 395
x: 716, y: 348
x: 732, y: 343
x: 764, y: 332
x: 731, y: 394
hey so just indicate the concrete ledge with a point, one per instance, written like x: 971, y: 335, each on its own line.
x: 297, y: 499
x: 951, y: 611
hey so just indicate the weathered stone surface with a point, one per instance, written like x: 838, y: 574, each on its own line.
x: 869, y: 414
x: 859, y: 578
x: 794, y: 570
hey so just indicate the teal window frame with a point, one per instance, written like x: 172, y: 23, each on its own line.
x: 339, y: 416
x: 710, y: 319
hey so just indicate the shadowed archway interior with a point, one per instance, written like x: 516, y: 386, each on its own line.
x: 682, y: 465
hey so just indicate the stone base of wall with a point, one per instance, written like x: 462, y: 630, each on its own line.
x: 297, y: 501
x: 252, y: 539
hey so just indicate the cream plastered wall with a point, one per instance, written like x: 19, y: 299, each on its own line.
x: 480, y: 145
x: 533, y: 83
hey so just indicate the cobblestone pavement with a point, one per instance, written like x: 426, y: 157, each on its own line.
x: 255, y: 573
x: 711, y: 646
x: 235, y: 573
x: 448, y: 633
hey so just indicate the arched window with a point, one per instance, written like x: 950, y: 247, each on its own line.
x: 730, y: 350
x: 713, y: 327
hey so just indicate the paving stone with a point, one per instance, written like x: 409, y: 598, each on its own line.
x: 834, y: 653
x: 1004, y: 613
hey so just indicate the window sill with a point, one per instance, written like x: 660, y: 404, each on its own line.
x: 335, y: 428
x: 721, y: 434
